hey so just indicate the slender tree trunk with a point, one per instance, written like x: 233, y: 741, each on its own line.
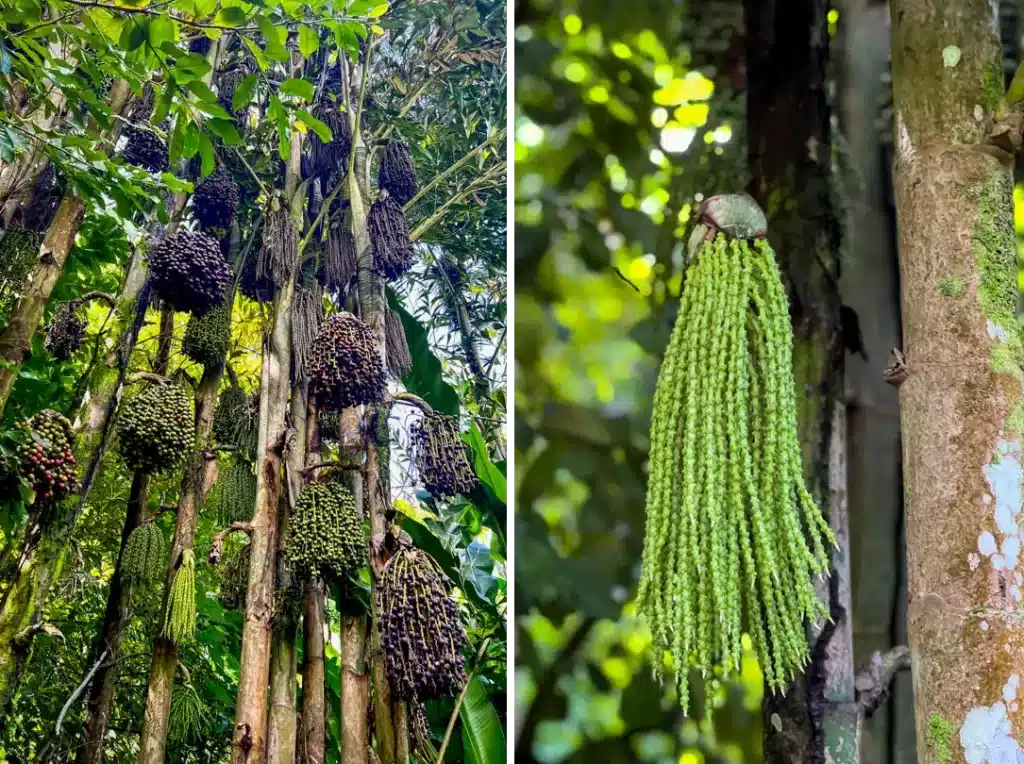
x: 115, y: 620
x: 153, y: 741
x: 789, y: 146
x: 249, y: 744
x: 354, y: 678
x: 16, y: 338
x: 118, y: 611
x: 283, y: 724
x: 371, y: 302
x: 870, y: 287
x: 314, y: 715
x: 961, y: 402
x: 355, y: 692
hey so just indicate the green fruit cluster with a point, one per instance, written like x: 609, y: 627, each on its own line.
x: 157, y: 428
x: 65, y: 333
x: 734, y: 540
x: 440, y: 456
x: 145, y: 554
x: 45, y: 459
x: 236, y: 419
x: 345, y: 368
x: 188, y: 715
x: 215, y: 200
x: 389, y: 238
x: 420, y: 629
x: 180, y: 615
x: 398, y: 173
x: 19, y: 252
x: 207, y: 337
x: 188, y: 272
x: 145, y: 149
x: 234, y: 493
x: 326, y: 535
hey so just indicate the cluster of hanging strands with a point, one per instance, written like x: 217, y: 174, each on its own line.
x: 396, y: 345
x: 307, y: 317
x: 279, y: 249
x: 339, y: 266
x: 733, y: 539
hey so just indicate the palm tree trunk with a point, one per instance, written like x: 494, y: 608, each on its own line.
x: 961, y: 400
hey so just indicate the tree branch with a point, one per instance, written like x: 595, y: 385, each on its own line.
x: 872, y: 682
x: 79, y: 690
x: 413, y: 400
x: 494, y: 138
x: 481, y: 182
x: 107, y: 298
x: 218, y: 541
x: 145, y: 376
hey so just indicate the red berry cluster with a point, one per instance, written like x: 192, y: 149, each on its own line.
x: 45, y: 460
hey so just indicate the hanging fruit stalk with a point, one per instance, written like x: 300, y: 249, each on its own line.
x: 740, y: 549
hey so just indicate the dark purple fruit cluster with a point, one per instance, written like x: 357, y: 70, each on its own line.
x: 345, y: 367
x: 189, y: 272
x: 421, y: 633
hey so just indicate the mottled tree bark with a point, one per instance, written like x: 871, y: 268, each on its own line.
x: 789, y: 153
x: 249, y: 742
x: 961, y: 403
x: 314, y: 714
x: 371, y: 303
x: 355, y: 692
x: 283, y: 722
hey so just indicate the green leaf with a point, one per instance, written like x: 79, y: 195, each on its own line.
x: 379, y: 11
x: 275, y: 49
x: 202, y: 91
x: 243, y: 93
x: 425, y: 378
x: 257, y: 53
x: 190, y: 144
x: 1015, y: 93
x: 309, y: 41
x: 232, y: 16
x: 133, y: 34
x: 177, y: 139
x: 323, y: 132
x: 206, y: 150
x: 225, y: 130
x: 297, y: 87
x: 483, y: 742
x: 483, y: 466
x: 162, y: 29
x: 345, y: 37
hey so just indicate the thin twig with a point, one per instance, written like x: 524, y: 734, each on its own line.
x: 146, y: 376
x: 494, y: 138
x: 413, y: 400
x: 80, y: 689
x: 458, y: 702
